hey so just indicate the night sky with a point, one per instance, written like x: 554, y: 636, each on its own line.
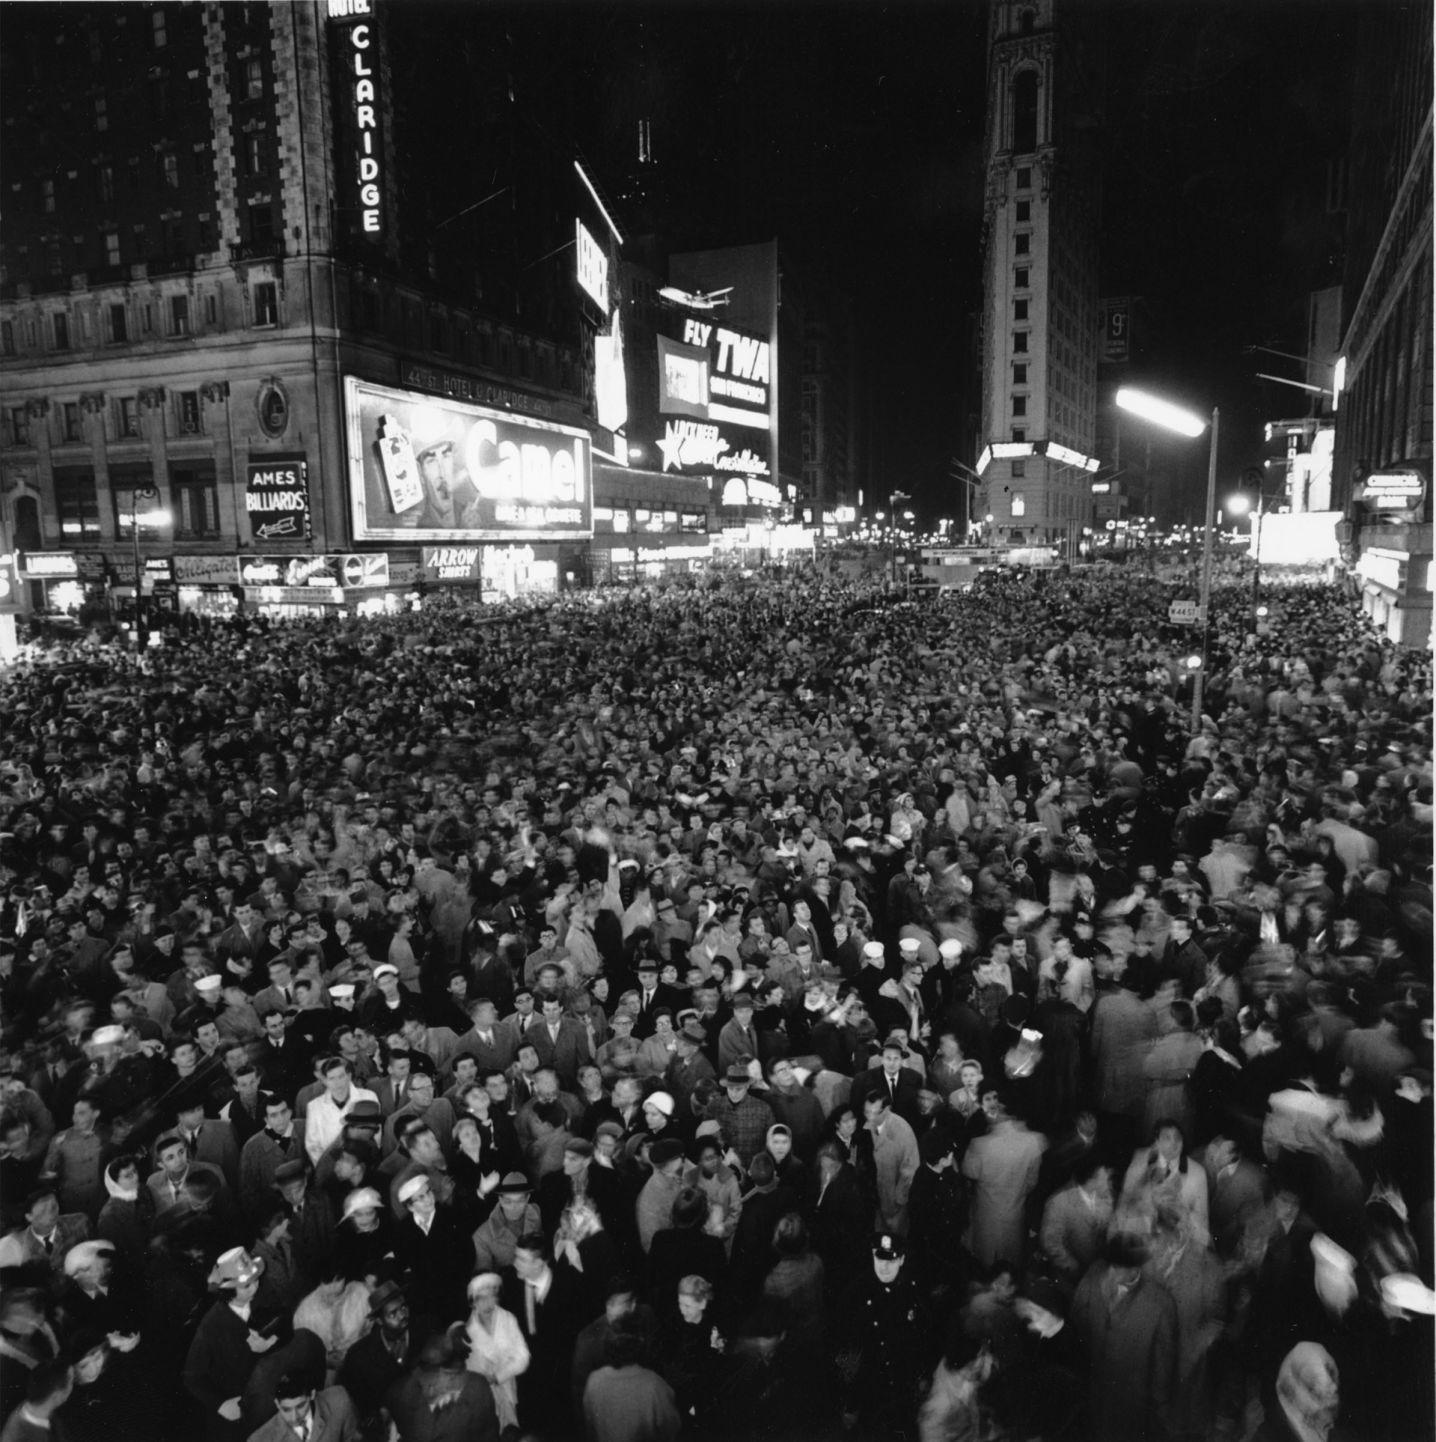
x: 853, y: 132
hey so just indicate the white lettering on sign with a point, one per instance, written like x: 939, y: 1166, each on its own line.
x: 276, y: 501
x: 744, y: 460
x: 539, y: 515
x: 259, y: 573
x: 206, y: 570
x: 505, y: 470
x: 450, y: 557
x: 370, y: 569
x: 48, y: 566
x: 592, y: 267
x: 696, y: 333
x: 742, y: 356
x: 690, y: 443
x: 365, y: 106
x: 348, y: 9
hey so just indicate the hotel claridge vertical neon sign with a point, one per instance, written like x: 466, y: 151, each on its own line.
x: 361, y: 63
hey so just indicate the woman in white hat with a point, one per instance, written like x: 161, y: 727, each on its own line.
x: 227, y: 1346
x: 365, y: 1236
x: 497, y: 1350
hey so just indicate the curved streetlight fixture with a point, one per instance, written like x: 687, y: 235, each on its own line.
x: 1187, y: 423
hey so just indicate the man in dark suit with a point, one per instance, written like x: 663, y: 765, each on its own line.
x: 651, y: 996
x: 839, y: 1215
x: 581, y: 1179
x: 891, y: 1079
x: 492, y: 1043
x: 561, y: 1042
x: 689, y: 1066
x: 548, y: 1303
x: 283, y: 1059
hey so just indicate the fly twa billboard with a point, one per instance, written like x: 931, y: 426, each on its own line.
x: 425, y: 469
x: 715, y: 401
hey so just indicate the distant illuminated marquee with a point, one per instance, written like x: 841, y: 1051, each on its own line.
x: 592, y: 267
x: 359, y: 61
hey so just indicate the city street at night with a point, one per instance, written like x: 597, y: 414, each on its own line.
x: 716, y: 721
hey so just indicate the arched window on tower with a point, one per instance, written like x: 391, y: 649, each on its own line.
x: 1024, y: 112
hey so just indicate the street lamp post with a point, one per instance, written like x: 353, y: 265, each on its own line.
x: 156, y: 517
x: 1237, y: 505
x: 1185, y: 423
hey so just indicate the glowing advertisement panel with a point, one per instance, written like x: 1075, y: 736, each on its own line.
x: 426, y: 469
x: 715, y: 396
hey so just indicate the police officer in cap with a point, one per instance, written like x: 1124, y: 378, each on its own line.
x: 886, y: 1360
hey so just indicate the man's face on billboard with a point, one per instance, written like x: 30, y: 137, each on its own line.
x: 436, y: 466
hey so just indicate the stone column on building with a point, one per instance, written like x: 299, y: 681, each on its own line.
x: 37, y: 414
x: 92, y: 407
x: 228, y: 483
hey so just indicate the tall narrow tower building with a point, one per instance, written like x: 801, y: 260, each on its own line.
x: 1037, y: 431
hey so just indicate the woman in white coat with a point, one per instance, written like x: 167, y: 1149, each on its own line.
x: 497, y: 1350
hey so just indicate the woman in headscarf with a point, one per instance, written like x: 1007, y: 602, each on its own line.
x: 127, y: 1218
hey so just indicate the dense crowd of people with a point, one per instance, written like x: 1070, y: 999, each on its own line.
x: 767, y: 1008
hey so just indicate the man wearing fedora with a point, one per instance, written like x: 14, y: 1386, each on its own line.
x: 384, y: 1354
x: 689, y: 1066
x: 515, y: 1215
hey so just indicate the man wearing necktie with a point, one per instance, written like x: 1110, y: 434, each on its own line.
x: 549, y: 1310
x: 652, y: 995
x: 737, y: 1042
x: 305, y: 1414
x: 490, y: 1042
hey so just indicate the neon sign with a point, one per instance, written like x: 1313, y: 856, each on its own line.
x: 358, y: 59
x: 592, y: 267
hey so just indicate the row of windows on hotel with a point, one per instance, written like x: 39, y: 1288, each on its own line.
x: 253, y: 153
x: 178, y: 240
x: 119, y: 322
x: 182, y: 415
x: 192, y: 501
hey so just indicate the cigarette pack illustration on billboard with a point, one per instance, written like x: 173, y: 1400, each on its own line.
x: 423, y: 468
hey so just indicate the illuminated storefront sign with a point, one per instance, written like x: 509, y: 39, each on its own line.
x: 206, y: 570
x: 1394, y: 490
x: 751, y: 492
x: 49, y: 566
x: 591, y: 262
x: 428, y: 470
x: 610, y: 377
x: 352, y: 570
x: 720, y: 380
x: 450, y: 563
x: 359, y: 64
x: 276, y: 499
x: 1385, y: 568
